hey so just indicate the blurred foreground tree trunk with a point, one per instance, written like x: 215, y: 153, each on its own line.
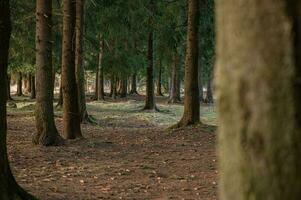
x: 258, y: 81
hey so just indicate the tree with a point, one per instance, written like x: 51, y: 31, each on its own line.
x: 259, y: 151
x: 175, y: 90
x: 150, y: 90
x: 191, y: 99
x: 71, y: 116
x: 19, y: 85
x: 159, y: 81
x: 134, y: 84
x: 79, y: 59
x: 100, y: 72
x: 33, y: 87
x: 9, y: 190
x: 46, y: 133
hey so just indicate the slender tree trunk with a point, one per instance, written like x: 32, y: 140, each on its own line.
x: 33, y: 87
x: 123, y: 87
x: 200, y: 80
x: 9, y: 98
x: 96, y: 85
x: 80, y: 71
x: 19, y: 85
x: 100, y: 93
x: 46, y: 132
x: 9, y: 189
x: 159, y: 82
x: 150, y: 93
x: 175, y: 93
x: 60, y: 100
x: 191, y: 100
x: 209, y: 95
x: 134, y: 84
x: 260, y: 112
x: 71, y: 116
x: 114, y: 87
x: 29, y: 83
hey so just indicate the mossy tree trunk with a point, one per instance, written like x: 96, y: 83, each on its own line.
x: 9, y: 189
x: 259, y: 55
x: 71, y: 116
x: 191, y: 100
x: 46, y: 132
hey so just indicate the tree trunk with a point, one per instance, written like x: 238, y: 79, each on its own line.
x: 209, y: 95
x: 9, y: 189
x: 201, y: 93
x: 175, y: 92
x: 114, y: 87
x: 191, y: 100
x: 134, y: 84
x: 71, y: 116
x: 150, y: 93
x: 123, y: 87
x: 33, y: 87
x: 19, y: 85
x: 29, y: 83
x: 159, y: 82
x: 258, y: 80
x: 60, y: 100
x: 80, y: 71
x: 9, y: 98
x: 100, y: 93
x: 96, y: 85
x: 46, y: 133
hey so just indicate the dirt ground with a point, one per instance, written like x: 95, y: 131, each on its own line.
x: 124, y: 157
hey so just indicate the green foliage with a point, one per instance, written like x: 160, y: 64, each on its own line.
x: 124, y: 26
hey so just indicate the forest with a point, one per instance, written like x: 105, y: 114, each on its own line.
x: 150, y: 99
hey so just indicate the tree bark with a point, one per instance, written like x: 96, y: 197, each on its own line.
x: 9, y: 189
x: 175, y: 90
x: 71, y: 116
x: 150, y: 93
x: 46, y: 132
x: 134, y: 84
x: 100, y: 93
x: 191, y: 100
x: 80, y: 71
x: 33, y: 87
x: 19, y: 85
x: 260, y: 111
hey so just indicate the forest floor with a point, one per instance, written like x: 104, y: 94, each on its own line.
x: 130, y: 154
